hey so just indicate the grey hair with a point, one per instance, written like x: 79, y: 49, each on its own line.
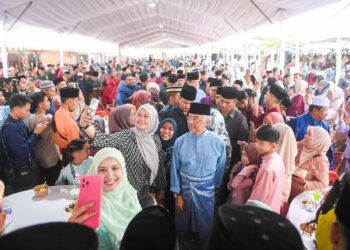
x: 207, y: 118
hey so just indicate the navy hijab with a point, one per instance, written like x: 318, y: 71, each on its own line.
x: 169, y: 143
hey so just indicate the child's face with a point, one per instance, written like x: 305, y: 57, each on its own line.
x: 264, y: 147
x: 82, y: 154
x: 244, y: 158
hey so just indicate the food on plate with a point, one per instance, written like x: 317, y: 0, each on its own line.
x: 309, y: 228
x: 69, y: 208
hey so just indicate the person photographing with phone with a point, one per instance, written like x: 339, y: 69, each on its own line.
x: 119, y: 199
x: 141, y: 148
x: 20, y: 170
x: 64, y: 126
x: 45, y: 150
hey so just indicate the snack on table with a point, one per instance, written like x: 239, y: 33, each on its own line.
x: 69, y: 208
x: 309, y: 228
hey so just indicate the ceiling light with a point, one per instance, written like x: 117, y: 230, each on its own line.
x: 161, y: 26
x: 164, y: 34
x: 152, y: 5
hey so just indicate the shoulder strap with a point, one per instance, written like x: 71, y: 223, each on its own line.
x: 54, y: 127
x: 3, y: 144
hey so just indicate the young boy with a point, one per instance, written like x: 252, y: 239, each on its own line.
x: 80, y: 162
x: 270, y: 178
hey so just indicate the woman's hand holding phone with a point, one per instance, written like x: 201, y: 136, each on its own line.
x: 79, y: 214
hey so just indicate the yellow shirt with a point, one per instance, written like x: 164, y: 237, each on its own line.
x: 67, y: 128
x: 323, y: 230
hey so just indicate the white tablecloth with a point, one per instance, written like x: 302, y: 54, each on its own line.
x: 297, y: 214
x: 28, y: 210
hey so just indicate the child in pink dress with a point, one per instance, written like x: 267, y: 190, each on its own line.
x: 243, y: 175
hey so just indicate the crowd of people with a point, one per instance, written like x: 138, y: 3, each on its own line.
x: 216, y: 151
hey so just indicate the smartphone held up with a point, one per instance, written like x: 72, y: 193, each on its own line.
x: 93, y: 107
x: 91, y: 188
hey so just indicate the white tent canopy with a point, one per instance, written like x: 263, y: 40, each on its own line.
x: 153, y: 23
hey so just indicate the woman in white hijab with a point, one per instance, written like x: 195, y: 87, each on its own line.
x: 119, y: 199
x: 141, y: 148
x: 336, y: 100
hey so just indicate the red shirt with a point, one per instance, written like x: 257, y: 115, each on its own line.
x: 109, y: 92
x: 258, y: 121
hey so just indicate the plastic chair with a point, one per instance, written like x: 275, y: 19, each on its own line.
x: 333, y: 176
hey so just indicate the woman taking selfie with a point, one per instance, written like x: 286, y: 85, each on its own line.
x: 119, y: 199
x: 141, y: 148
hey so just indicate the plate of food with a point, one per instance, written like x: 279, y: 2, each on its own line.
x: 309, y: 228
x: 70, y: 207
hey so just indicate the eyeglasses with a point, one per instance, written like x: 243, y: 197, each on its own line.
x: 194, y: 118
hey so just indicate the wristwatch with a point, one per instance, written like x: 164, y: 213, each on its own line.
x: 176, y: 195
x: 85, y: 127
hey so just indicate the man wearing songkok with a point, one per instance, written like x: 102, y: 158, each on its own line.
x: 179, y: 113
x: 203, y: 83
x: 248, y: 227
x: 59, y: 83
x: 180, y: 78
x: 213, y: 87
x: 193, y: 80
x: 197, y: 168
x: 173, y: 95
x: 236, y: 122
x: 64, y: 126
x: 93, y: 86
x: 317, y: 113
x: 272, y: 100
x: 170, y: 81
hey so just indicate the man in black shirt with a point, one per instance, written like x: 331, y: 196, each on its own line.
x: 179, y: 113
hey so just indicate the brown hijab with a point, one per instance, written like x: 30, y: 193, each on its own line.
x: 252, y: 153
x: 119, y: 117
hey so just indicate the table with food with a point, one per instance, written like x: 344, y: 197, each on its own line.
x: 41, y: 204
x: 302, y: 211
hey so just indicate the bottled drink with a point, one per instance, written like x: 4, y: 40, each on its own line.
x: 7, y: 208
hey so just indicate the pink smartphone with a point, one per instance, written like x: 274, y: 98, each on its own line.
x: 91, y: 188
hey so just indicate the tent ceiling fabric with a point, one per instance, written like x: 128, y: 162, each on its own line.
x: 134, y: 23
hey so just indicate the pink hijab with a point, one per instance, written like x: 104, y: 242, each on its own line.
x: 273, y: 118
x: 319, y: 144
x: 141, y: 97
x: 288, y: 150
